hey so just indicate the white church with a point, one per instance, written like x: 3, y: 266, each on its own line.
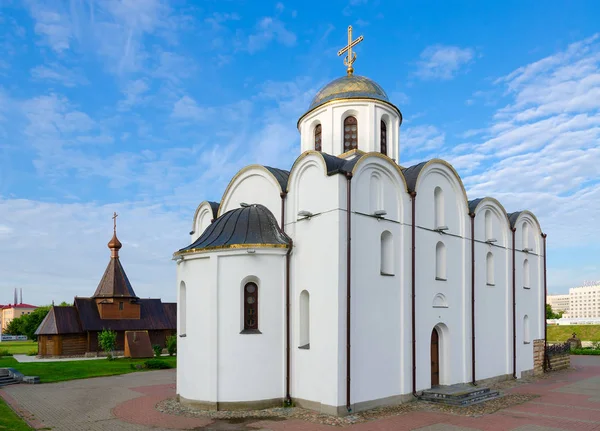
x: 351, y: 281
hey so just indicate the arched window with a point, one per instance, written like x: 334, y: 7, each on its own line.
x: 440, y: 261
x: 438, y: 201
x: 251, y: 307
x: 525, y: 233
x: 304, y: 320
x: 387, y: 253
x: 383, y: 138
x: 350, y: 134
x: 489, y: 260
x: 489, y: 231
x: 526, y: 338
x: 182, y: 309
x: 318, y: 138
x: 526, y: 274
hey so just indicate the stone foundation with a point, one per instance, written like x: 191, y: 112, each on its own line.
x: 538, y: 357
x: 560, y: 362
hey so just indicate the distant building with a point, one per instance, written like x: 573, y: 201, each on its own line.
x: 12, y: 311
x: 74, y: 330
x: 584, y: 302
x: 558, y: 302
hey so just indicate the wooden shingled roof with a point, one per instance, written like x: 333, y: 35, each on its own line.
x: 114, y: 282
x: 60, y: 320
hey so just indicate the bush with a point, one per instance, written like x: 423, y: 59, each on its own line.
x: 157, y: 350
x: 156, y: 364
x: 107, y: 340
x: 172, y: 344
x: 5, y: 352
x: 32, y: 353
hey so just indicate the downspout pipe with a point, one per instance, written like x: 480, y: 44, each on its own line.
x: 514, y: 305
x: 348, y: 283
x: 544, y: 309
x: 413, y: 196
x: 473, y: 377
x: 288, y: 397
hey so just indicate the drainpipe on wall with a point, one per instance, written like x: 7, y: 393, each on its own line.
x: 413, y: 196
x: 514, y: 305
x: 348, y: 284
x: 473, y: 379
x: 544, y: 309
x: 288, y: 397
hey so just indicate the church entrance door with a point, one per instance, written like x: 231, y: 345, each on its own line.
x: 435, y: 358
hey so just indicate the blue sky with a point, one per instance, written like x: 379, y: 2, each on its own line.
x: 148, y: 107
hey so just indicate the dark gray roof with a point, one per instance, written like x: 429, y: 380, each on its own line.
x: 411, y: 174
x: 60, y: 320
x: 114, y: 282
x: 336, y: 165
x: 281, y: 176
x: 253, y: 224
x: 473, y: 204
x: 512, y: 218
x: 214, y: 206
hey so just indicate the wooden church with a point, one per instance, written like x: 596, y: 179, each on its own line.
x: 73, y: 331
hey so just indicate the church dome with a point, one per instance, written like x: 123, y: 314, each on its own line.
x: 349, y: 87
x: 245, y: 227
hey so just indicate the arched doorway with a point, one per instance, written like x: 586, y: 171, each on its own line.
x: 435, y: 358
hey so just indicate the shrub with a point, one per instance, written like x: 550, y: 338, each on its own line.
x: 156, y: 364
x: 5, y: 352
x: 172, y: 344
x: 32, y: 353
x: 157, y: 350
x: 585, y: 352
x: 107, y: 340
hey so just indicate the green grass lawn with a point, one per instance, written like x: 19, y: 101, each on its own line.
x: 71, y: 370
x: 9, y: 420
x: 19, y: 347
x: 584, y: 332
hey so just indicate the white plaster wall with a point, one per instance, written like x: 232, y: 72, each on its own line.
x: 317, y: 261
x: 253, y: 186
x: 493, y: 304
x: 454, y: 350
x: 251, y: 366
x: 196, y: 376
x: 368, y: 113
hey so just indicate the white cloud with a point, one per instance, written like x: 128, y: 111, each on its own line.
x: 53, y: 25
x: 443, y: 62
x: 134, y: 94
x: 268, y: 29
x: 186, y: 108
x: 424, y: 138
x: 55, y: 72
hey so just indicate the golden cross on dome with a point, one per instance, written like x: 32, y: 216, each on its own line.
x: 114, y: 217
x: 351, y: 57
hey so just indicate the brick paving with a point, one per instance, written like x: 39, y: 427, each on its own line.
x: 567, y: 401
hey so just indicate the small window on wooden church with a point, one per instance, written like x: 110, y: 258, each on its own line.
x: 121, y: 306
x: 251, y: 307
x: 350, y: 134
x: 318, y: 138
x: 383, y: 138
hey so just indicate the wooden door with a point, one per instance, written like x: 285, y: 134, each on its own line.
x: 435, y: 358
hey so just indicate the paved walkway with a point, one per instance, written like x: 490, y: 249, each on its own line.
x: 567, y: 401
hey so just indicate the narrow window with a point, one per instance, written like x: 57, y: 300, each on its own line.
x: 387, y: 253
x: 375, y: 192
x: 250, y: 307
x: 490, y: 268
x: 526, y: 339
x: 383, y: 138
x: 304, y: 320
x: 489, y: 232
x: 121, y: 306
x: 318, y: 138
x: 525, y: 233
x: 440, y: 261
x: 182, y: 308
x: 438, y: 200
x: 350, y: 134
x: 526, y: 274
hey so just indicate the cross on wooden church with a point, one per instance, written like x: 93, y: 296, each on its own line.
x: 114, y: 217
x: 351, y: 57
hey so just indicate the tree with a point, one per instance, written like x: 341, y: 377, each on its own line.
x: 107, y: 340
x: 550, y: 314
x: 27, y: 324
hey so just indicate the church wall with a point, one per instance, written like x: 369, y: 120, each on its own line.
x: 369, y: 114
x: 254, y: 186
x: 318, y: 265
x: 453, y: 319
x: 196, y: 376
x: 202, y: 220
x: 251, y: 366
x: 378, y: 304
x: 493, y: 303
